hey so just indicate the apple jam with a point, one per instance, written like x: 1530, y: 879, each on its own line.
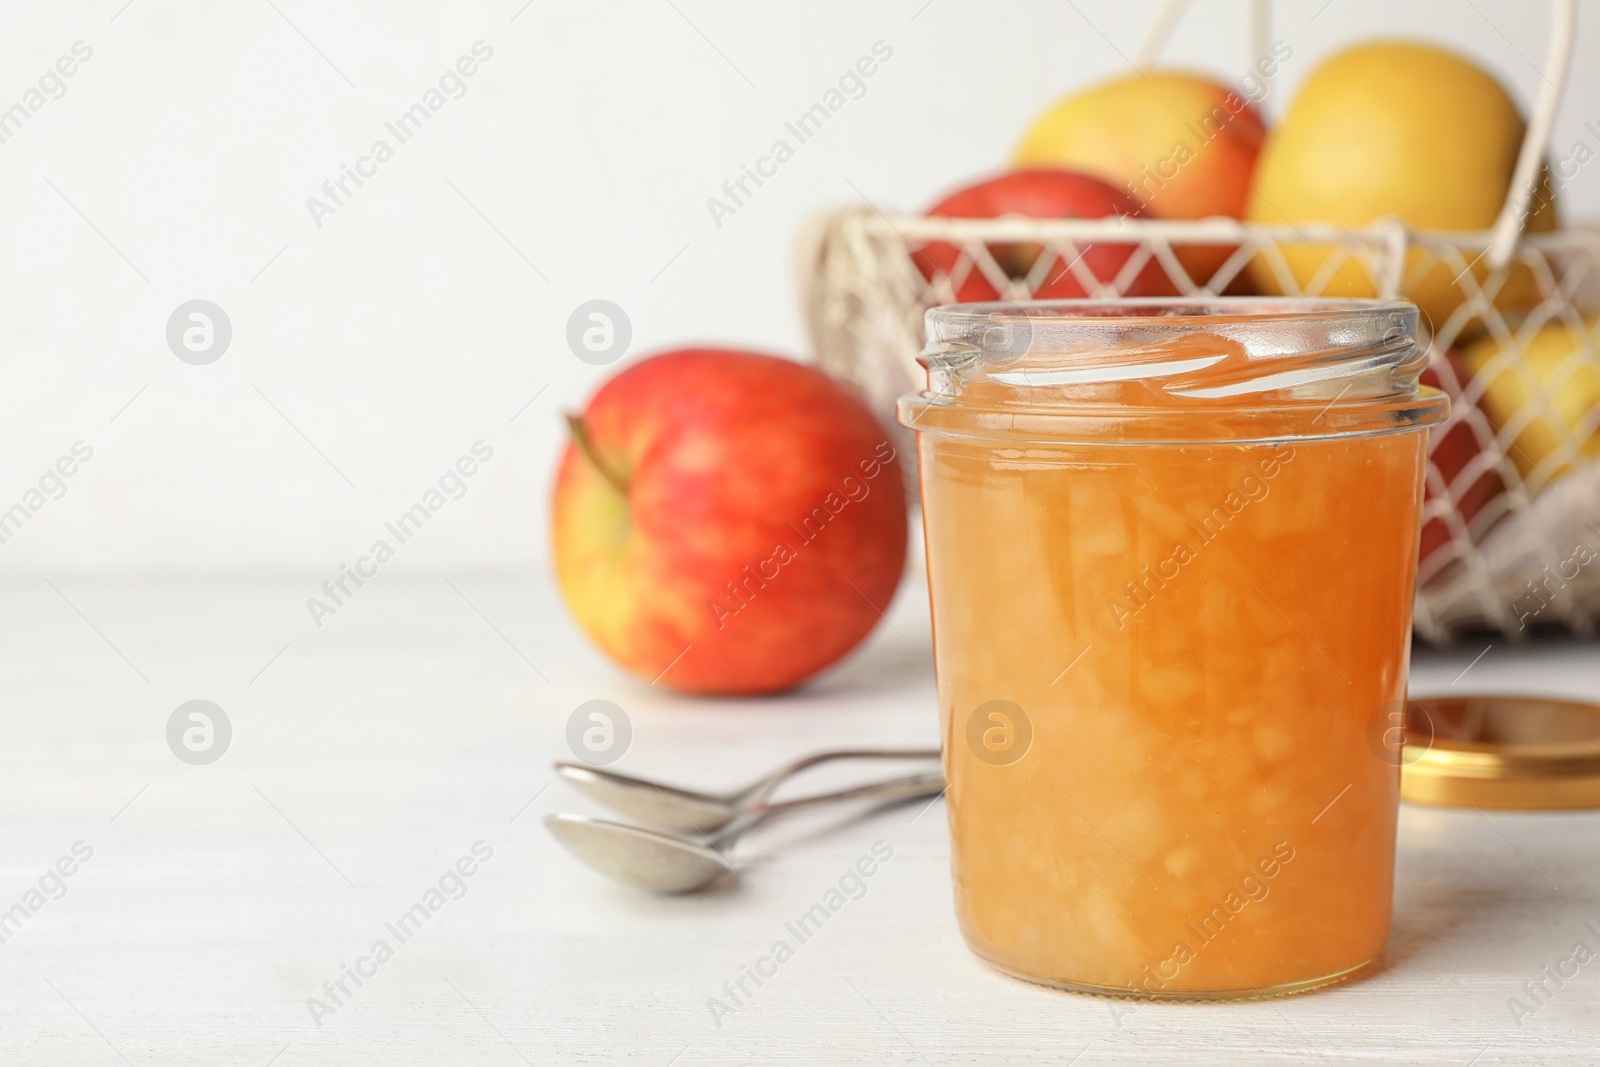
x: 1171, y: 557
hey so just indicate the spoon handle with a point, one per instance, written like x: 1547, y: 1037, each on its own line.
x: 927, y: 784
x: 758, y: 792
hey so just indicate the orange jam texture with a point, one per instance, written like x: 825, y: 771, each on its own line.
x: 1207, y: 643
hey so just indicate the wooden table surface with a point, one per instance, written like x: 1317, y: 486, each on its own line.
x: 409, y: 739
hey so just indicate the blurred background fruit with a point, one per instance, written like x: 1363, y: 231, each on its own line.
x: 1545, y: 397
x: 1042, y: 193
x: 1453, y: 447
x: 1184, y: 144
x: 1394, y: 129
x: 727, y: 522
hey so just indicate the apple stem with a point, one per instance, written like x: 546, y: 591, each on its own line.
x: 585, y: 447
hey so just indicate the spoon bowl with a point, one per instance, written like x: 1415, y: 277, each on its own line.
x: 651, y: 803
x: 635, y: 855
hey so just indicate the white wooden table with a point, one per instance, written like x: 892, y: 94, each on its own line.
x: 369, y: 757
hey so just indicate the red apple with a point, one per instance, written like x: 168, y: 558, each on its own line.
x: 1041, y: 194
x: 726, y: 522
x: 1453, y: 445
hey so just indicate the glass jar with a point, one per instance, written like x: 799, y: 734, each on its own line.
x: 1171, y: 556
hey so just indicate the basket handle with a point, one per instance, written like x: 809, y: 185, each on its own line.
x: 1557, y: 58
x: 1535, y: 142
x: 1167, y: 19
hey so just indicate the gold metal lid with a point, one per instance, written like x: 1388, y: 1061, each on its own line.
x: 1501, y: 752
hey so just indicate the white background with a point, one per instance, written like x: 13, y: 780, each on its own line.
x: 420, y: 317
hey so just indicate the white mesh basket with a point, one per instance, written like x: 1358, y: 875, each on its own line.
x: 1509, y: 543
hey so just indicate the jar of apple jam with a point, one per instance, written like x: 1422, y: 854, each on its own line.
x: 1171, y: 555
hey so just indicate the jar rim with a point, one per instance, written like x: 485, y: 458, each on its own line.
x: 1168, y: 311
x: 1174, y: 369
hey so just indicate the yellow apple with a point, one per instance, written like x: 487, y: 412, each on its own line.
x: 1402, y: 130
x: 1547, y: 397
